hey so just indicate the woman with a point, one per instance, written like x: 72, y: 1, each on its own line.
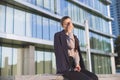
x: 69, y: 60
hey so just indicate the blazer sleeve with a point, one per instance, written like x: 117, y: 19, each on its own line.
x: 57, y: 50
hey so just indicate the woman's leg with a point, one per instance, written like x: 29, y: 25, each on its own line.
x: 75, y: 76
x: 90, y: 74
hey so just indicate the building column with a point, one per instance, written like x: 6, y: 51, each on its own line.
x: 29, y: 63
x: 112, y: 57
x: 20, y: 61
x: 88, y: 46
x: 112, y: 46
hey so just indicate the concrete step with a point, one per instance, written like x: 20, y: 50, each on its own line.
x: 56, y: 77
x: 109, y: 77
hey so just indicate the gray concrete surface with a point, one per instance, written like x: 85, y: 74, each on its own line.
x: 56, y: 77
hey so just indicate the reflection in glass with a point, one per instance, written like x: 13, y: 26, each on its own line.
x: 39, y: 3
x: 9, y: 20
x: 34, y: 26
x: 46, y: 4
x: 39, y: 62
x: 101, y: 64
x: 19, y: 22
x: 45, y: 62
x: 6, y: 61
x: 99, y: 42
x: 39, y: 27
x: 45, y: 28
x: 2, y: 18
x: 48, y: 62
x: 53, y: 29
x: 29, y: 24
x: 10, y: 63
x: 52, y: 7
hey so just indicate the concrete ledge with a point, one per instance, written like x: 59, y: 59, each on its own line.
x: 56, y: 77
x: 109, y: 77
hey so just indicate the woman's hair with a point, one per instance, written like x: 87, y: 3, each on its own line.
x: 64, y: 18
x: 76, y: 43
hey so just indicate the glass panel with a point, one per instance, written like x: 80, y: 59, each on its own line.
x: 39, y: 62
x: 53, y: 29
x: 2, y: 18
x: 39, y: 3
x: 6, y: 61
x: 29, y: 24
x: 39, y: 27
x: 101, y: 64
x: 52, y: 7
x: 19, y: 22
x: 48, y: 62
x: 34, y: 26
x: 46, y: 4
x: 45, y: 29
x: 57, y: 6
x: 9, y: 20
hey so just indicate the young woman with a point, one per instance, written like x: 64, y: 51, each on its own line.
x: 69, y: 60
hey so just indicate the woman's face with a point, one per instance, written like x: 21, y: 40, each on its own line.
x: 67, y: 24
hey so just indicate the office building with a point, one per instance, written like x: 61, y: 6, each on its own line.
x: 27, y: 29
x: 115, y: 13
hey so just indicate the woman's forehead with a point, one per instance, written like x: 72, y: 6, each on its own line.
x: 67, y: 20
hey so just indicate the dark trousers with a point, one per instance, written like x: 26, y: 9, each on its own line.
x: 82, y: 75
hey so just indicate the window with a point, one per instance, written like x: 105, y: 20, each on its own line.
x: 39, y: 62
x: 52, y: 7
x: 53, y: 29
x: 45, y: 29
x: 39, y: 3
x: 9, y: 20
x: 34, y: 26
x: 48, y: 62
x: 46, y: 4
x: 57, y: 6
x: 28, y: 24
x: 101, y: 64
x: 19, y: 22
x: 6, y: 66
x: 2, y: 18
x: 39, y: 27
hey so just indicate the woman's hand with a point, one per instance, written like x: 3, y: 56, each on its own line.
x: 77, y: 68
x: 69, y: 27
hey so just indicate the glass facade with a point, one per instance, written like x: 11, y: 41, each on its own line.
x: 101, y: 64
x: 96, y: 4
x: 45, y: 62
x: 76, y: 13
x: 99, y: 42
x: 27, y: 23
x: 9, y: 60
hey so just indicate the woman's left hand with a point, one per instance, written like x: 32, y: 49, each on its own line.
x: 77, y: 68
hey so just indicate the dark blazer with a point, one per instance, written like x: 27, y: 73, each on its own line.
x: 61, y: 52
